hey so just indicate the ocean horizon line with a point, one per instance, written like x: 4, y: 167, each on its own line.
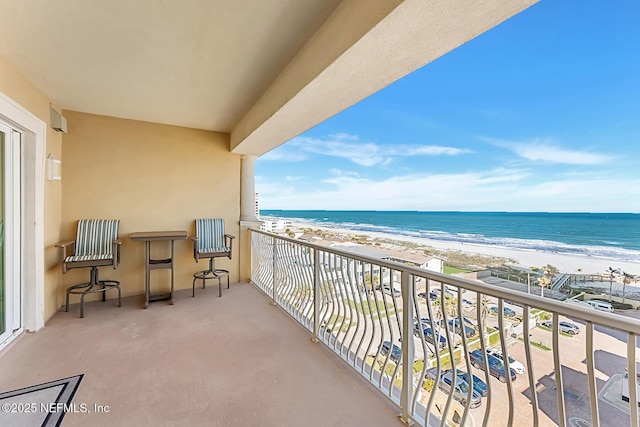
x: 452, y: 211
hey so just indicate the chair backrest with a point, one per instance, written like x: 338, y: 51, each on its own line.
x: 210, y: 233
x: 96, y: 236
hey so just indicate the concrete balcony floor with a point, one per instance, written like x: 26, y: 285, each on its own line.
x: 230, y: 361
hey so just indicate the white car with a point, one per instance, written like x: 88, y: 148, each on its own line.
x: 566, y: 327
x: 394, y: 292
x: 513, y: 363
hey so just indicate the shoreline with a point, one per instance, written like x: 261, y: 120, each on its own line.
x: 565, y: 263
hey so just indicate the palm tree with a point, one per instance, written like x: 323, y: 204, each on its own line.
x: 438, y: 312
x: 485, y: 311
x: 626, y: 279
x: 545, y: 280
x: 612, y: 272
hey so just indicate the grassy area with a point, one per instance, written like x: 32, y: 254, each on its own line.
x: 377, y: 306
x: 564, y: 334
x: 538, y: 344
x: 447, y: 269
x: 621, y: 306
x: 336, y: 323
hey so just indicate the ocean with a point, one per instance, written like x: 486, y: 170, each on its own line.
x: 608, y: 235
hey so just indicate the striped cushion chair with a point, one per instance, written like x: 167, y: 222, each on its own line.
x: 96, y: 245
x: 211, y: 242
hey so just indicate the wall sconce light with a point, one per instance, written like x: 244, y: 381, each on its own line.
x: 54, y: 168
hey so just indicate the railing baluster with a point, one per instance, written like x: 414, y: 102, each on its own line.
x: 274, y: 282
x: 365, y: 322
x: 445, y: 327
x: 481, y: 310
x: 591, y: 376
x: 407, y: 346
x: 558, y: 371
x: 530, y: 374
x: 465, y: 351
x: 316, y: 296
x: 632, y: 373
x: 436, y: 347
x: 505, y: 360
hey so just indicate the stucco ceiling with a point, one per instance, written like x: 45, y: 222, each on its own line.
x: 261, y: 70
x: 194, y: 63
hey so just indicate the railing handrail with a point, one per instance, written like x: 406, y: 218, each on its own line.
x: 609, y: 320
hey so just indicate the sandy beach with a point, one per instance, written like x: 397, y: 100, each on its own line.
x: 563, y: 262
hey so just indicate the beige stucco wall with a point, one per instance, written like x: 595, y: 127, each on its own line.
x: 24, y: 93
x: 151, y: 177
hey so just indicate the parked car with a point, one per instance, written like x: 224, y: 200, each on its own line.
x: 468, y: 322
x: 496, y: 367
x: 429, y: 337
x: 505, y: 310
x: 396, y: 352
x: 513, y: 363
x: 461, y: 391
x: 432, y: 295
x: 447, y: 293
x: 467, y: 303
x: 393, y: 291
x: 478, y: 385
x: 601, y: 305
x: 454, y: 326
x: 424, y: 323
x: 566, y: 327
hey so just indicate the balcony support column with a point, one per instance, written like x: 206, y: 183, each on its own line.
x: 248, y: 217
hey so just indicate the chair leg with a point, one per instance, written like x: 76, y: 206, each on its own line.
x: 82, y: 305
x: 211, y: 273
x: 93, y: 286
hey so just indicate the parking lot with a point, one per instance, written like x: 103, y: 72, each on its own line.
x: 610, y: 363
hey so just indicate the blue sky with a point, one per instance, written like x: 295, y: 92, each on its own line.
x: 541, y: 113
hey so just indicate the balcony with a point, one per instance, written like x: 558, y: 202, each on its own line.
x: 349, y: 303
x: 239, y: 360
x: 205, y: 361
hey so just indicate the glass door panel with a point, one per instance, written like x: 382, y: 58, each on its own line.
x: 10, y: 282
x: 3, y: 298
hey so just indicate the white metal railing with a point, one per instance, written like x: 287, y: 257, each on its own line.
x: 388, y: 322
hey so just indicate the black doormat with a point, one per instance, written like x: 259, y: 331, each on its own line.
x: 42, y: 405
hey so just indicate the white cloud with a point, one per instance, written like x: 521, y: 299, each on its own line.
x: 283, y: 154
x: 355, y: 150
x: 363, y: 154
x: 493, y: 190
x: 543, y: 150
x: 344, y: 136
x: 339, y: 172
x: 428, y: 150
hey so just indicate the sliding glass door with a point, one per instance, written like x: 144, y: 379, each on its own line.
x: 10, y: 234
